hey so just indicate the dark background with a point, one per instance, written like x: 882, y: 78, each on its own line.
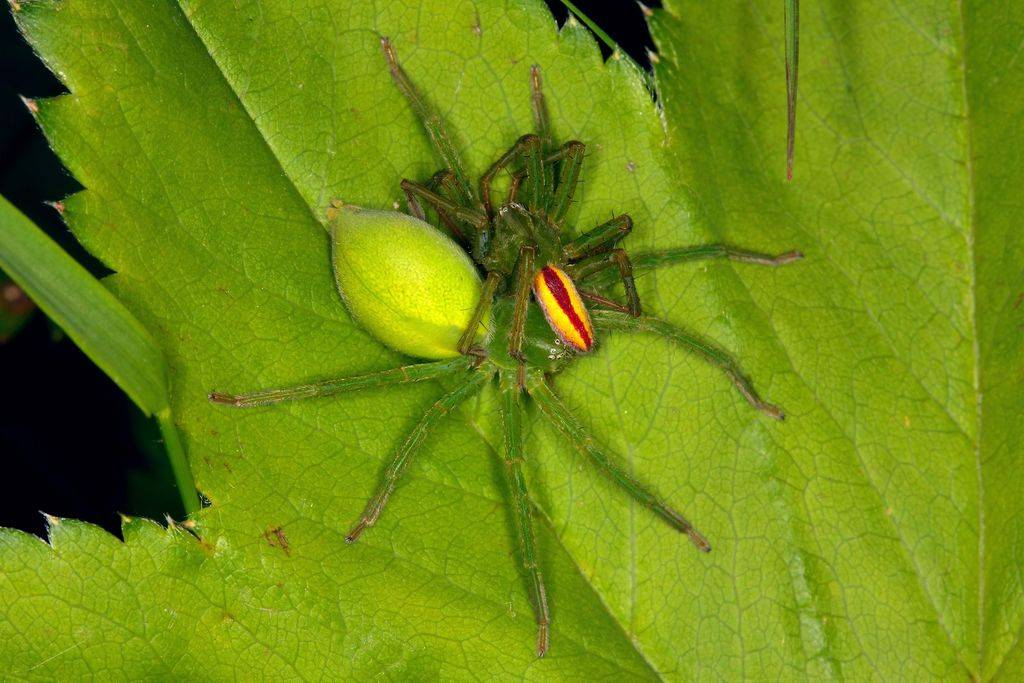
x: 71, y: 444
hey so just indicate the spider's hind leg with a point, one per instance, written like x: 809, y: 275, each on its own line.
x: 432, y: 123
x: 617, y: 321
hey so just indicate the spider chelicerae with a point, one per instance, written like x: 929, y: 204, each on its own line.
x: 537, y: 275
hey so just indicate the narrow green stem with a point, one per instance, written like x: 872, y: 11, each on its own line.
x: 598, y: 31
x: 179, y: 462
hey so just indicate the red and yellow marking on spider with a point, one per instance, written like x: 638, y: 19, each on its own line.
x: 563, y: 307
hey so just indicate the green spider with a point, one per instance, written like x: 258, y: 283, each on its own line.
x: 524, y: 246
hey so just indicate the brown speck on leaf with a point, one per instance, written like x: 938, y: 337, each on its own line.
x: 58, y: 207
x: 630, y: 166
x: 1020, y: 298
x: 478, y: 30
x: 30, y: 103
x: 888, y: 511
x: 276, y: 538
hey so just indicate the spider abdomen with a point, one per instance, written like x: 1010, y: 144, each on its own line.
x: 558, y: 298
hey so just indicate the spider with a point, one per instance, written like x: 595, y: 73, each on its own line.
x: 524, y: 246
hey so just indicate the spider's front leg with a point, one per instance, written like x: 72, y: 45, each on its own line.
x: 594, y: 251
x: 571, y: 157
x: 529, y: 149
x: 487, y: 292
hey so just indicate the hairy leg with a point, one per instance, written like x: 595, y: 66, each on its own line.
x: 403, y: 456
x: 487, y: 293
x: 524, y: 280
x: 442, y: 181
x: 528, y: 149
x: 432, y: 123
x: 598, y: 239
x: 419, y: 372
x: 522, y: 508
x: 614, y: 320
x: 571, y: 158
x: 573, y: 429
x: 646, y: 261
x: 473, y: 219
x: 541, y: 122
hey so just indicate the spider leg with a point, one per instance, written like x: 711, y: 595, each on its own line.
x: 563, y: 419
x: 442, y: 180
x: 487, y: 293
x: 404, y: 454
x: 528, y: 148
x: 444, y: 206
x: 571, y: 154
x: 431, y: 120
x: 614, y: 320
x: 419, y: 372
x: 592, y: 251
x: 522, y: 511
x: 601, y: 300
x: 541, y: 122
x: 598, y: 239
x: 650, y: 260
x: 524, y: 280
x: 601, y: 262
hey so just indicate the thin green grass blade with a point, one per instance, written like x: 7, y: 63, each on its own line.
x: 96, y: 321
x: 597, y: 30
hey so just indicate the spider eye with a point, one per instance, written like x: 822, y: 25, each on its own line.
x: 406, y: 283
x: 563, y: 307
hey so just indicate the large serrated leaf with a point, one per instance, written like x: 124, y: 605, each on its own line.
x: 870, y: 535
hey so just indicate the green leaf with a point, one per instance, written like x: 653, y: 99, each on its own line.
x: 872, y: 534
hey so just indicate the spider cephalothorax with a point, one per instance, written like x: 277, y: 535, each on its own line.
x: 528, y: 316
